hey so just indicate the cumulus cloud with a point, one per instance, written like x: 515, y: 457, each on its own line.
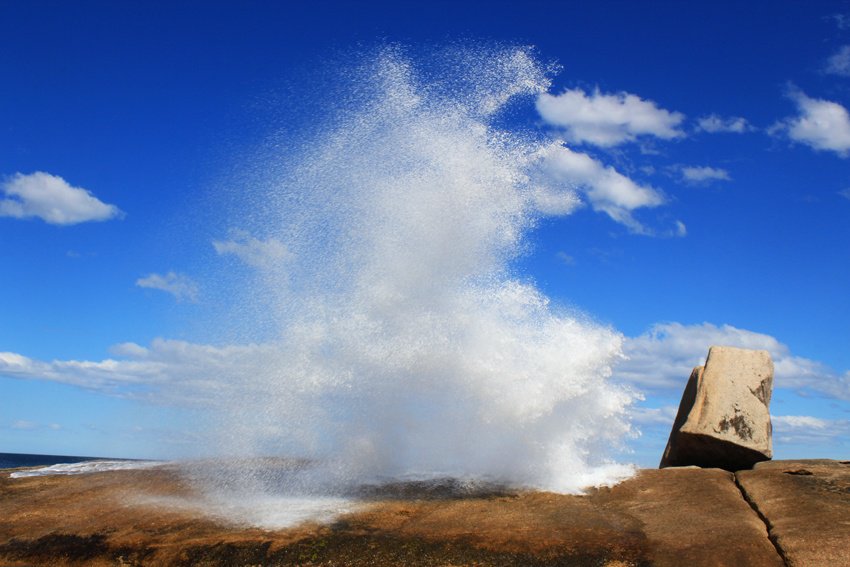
x: 716, y: 124
x: 839, y: 63
x: 799, y: 422
x: 253, y: 251
x: 180, y: 286
x: 606, y: 189
x: 820, y: 124
x: 663, y: 357
x: 104, y: 375
x: 51, y: 199
x: 809, y: 430
x: 644, y: 416
x: 168, y: 371
x: 607, y: 119
x: 697, y: 174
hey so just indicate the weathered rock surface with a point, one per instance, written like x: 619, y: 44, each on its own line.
x: 806, y: 505
x: 693, y: 516
x: 724, y: 418
x: 671, y: 517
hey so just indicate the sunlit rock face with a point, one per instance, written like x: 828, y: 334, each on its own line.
x: 724, y: 415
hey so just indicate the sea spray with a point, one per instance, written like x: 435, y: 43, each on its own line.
x: 406, y: 346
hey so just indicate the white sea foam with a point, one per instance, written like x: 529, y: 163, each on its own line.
x: 276, y: 512
x: 407, y: 345
x: 86, y: 467
x: 262, y: 510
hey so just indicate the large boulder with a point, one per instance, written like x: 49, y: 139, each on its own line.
x: 724, y: 418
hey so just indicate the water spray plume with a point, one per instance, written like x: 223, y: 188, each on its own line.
x: 406, y: 346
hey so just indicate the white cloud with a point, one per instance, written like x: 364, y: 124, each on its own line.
x: 95, y: 375
x: 663, y: 357
x: 653, y: 416
x: 715, y: 124
x: 845, y: 193
x: 606, y: 189
x: 697, y: 174
x: 179, y: 285
x: 26, y: 425
x: 839, y: 63
x: 258, y: 253
x: 681, y: 229
x: 168, y: 371
x: 820, y: 124
x: 809, y: 431
x: 607, y: 119
x: 131, y: 350
x: 842, y: 21
x: 52, y: 199
x: 565, y: 258
x: 798, y: 422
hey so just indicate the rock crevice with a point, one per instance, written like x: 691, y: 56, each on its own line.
x: 771, y: 536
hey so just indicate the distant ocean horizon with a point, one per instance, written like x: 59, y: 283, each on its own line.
x: 16, y: 460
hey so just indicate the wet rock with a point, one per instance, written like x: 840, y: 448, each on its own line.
x: 724, y: 418
x: 806, y: 505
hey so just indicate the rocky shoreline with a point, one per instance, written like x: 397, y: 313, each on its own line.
x: 794, y: 513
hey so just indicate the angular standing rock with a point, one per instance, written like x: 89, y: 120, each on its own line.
x: 724, y: 417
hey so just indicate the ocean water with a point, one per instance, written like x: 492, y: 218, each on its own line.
x: 67, y: 465
x: 16, y: 460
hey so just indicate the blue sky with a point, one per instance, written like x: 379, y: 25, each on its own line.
x: 709, y: 142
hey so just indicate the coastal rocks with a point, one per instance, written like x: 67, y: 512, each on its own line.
x: 693, y: 517
x: 806, y: 505
x: 724, y: 419
x: 780, y: 513
x: 664, y: 518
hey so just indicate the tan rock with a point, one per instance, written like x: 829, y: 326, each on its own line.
x: 664, y: 518
x: 806, y: 505
x: 724, y: 418
x: 693, y: 516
